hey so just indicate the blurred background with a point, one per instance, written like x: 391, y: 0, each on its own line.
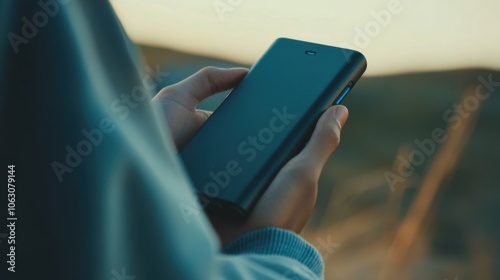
x: 413, y: 191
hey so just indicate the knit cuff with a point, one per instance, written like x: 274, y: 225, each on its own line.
x: 276, y: 241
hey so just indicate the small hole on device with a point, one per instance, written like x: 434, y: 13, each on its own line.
x: 310, y: 52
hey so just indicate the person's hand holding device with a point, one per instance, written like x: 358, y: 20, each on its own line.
x: 289, y: 198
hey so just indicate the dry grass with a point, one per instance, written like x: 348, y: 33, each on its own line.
x: 379, y: 242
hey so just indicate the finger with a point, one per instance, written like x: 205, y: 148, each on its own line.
x: 325, y: 138
x: 203, y: 114
x: 204, y: 83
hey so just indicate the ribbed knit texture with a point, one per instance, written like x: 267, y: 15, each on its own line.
x: 276, y: 241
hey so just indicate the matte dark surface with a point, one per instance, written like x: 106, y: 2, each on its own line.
x: 284, y: 80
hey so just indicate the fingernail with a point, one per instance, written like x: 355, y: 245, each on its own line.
x: 341, y: 114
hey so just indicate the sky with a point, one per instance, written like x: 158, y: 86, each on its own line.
x: 396, y: 36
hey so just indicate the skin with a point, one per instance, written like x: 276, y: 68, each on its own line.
x: 290, y: 199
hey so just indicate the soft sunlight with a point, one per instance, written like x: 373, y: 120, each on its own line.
x: 395, y: 35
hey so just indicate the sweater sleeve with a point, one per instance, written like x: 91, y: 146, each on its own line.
x: 287, y: 253
x: 278, y: 242
x: 101, y: 192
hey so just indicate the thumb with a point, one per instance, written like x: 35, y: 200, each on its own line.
x: 326, y: 137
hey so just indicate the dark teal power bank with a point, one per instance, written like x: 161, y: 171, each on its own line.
x: 265, y: 121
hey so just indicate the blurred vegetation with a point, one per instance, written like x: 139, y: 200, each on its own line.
x: 440, y: 222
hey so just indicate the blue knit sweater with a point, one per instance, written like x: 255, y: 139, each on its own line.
x: 122, y: 208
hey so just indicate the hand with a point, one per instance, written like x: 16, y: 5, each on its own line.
x: 179, y: 101
x: 290, y: 199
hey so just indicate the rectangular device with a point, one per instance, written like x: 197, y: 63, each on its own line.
x: 265, y: 121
